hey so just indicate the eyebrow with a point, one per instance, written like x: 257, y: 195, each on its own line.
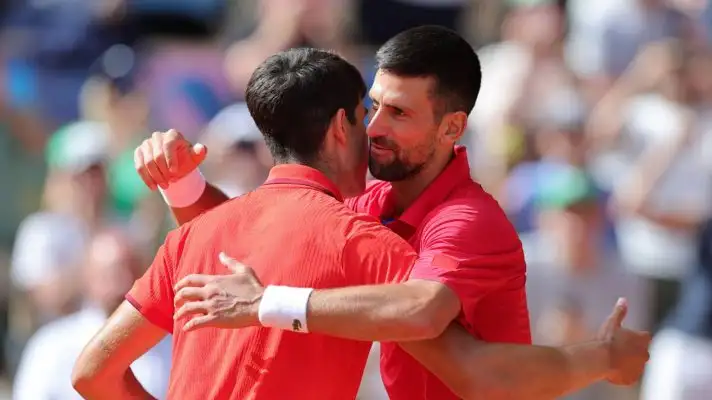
x: 391, y: 105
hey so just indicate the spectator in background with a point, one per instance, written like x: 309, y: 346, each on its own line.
x: 380, y: 20
x: 239, y: 160
x: 52, y: 45
x: 681, y: 363
x: 284, y: 24
x: 47, y: 253
x: 604, y: 51
x: 653, y: 132
x: 49, y: 243
x: 76, y: 185
x: 112, y: 100
x: 110, y: 268
x: 525, y: 73
x: 559, y: 211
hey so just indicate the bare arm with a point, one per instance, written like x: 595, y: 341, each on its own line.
x: 413, y: 310
x: 470, y: 368
x: 474, y: 369
x: 633, y: 196
x: 212, y: 197
x: 103, y: 370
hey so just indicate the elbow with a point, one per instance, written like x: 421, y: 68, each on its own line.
x: 428, y: 324
x: 434, y: 309
x: 85, y: 378
x: 82, y: 382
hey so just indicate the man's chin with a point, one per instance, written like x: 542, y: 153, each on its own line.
x: 391, y: 172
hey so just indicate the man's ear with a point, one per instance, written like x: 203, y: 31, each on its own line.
x: 341, y: 125
x: 454, y: 126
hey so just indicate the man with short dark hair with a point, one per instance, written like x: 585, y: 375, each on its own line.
x: 470, y: 265
x: 316, y: 135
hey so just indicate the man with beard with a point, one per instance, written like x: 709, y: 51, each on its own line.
x: 470, y: 266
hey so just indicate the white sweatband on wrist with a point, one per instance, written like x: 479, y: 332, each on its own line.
x: 285, y: 307
x: 185, y: 191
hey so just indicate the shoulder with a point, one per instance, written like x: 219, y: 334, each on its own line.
x: 375, y: 190
x: 472, y: 218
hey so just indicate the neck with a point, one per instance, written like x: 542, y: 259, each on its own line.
x: 322, y: 165
x: 405, y: 192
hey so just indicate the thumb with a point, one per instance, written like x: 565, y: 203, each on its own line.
x: 615, y: 320
x: 229, y: 262
x: 199, y: 152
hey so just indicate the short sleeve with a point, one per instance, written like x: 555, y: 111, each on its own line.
x: 477, y: 256
x: 373, y: 254
x: 152, y: 294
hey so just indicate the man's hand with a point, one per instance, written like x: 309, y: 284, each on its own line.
x: 224, y: 301
x: 167, y: 157
x: 628, y: 349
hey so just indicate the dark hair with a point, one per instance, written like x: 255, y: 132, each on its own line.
x: 440, y: 53
x: 294, y: 94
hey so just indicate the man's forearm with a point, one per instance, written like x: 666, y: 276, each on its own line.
x: 414, y: 310
x: 538, y: 372
x: 211, y: 197
x: 124, y: 388
x: 478, y: 370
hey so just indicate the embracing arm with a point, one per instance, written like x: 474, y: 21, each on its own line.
x: 211, y: 198
x: 103, y: 370
x: 414, y: 310
x: 381, y: 308
x: 474, y: 369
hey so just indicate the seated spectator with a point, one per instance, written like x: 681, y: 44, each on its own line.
x: 109, y: 270
x: 238, y: 159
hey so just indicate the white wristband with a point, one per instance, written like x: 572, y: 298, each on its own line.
x: 285, y: 308
x: 185, y: 191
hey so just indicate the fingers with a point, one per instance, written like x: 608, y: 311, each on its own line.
x: 140, y: 165
x: 193, y: 280
x: 160, y: 152
x: 170, y: 150
x: 150, y: 163
x: 199, y: 152
x: 203, y: 321
x: 191, y: 294
x: 192, y: 308
x: 619, y: 312
x: 158, y: 158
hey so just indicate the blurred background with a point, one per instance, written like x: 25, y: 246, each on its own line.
x: 593, y: 130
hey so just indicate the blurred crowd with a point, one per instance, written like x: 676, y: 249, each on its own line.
x: 593, y: 130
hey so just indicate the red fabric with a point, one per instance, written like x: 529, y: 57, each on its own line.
x: 293, y: 231
x: 465, y: 241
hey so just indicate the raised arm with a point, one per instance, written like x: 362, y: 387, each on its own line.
x: 169, y: 163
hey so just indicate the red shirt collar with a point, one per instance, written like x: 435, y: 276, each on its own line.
x: 301, y: 175
x: 455, y: 173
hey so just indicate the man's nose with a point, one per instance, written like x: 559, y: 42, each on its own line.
x: 375, y: 127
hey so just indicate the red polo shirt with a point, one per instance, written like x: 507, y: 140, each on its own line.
x: 294, y: 230
x: 465, y: 241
